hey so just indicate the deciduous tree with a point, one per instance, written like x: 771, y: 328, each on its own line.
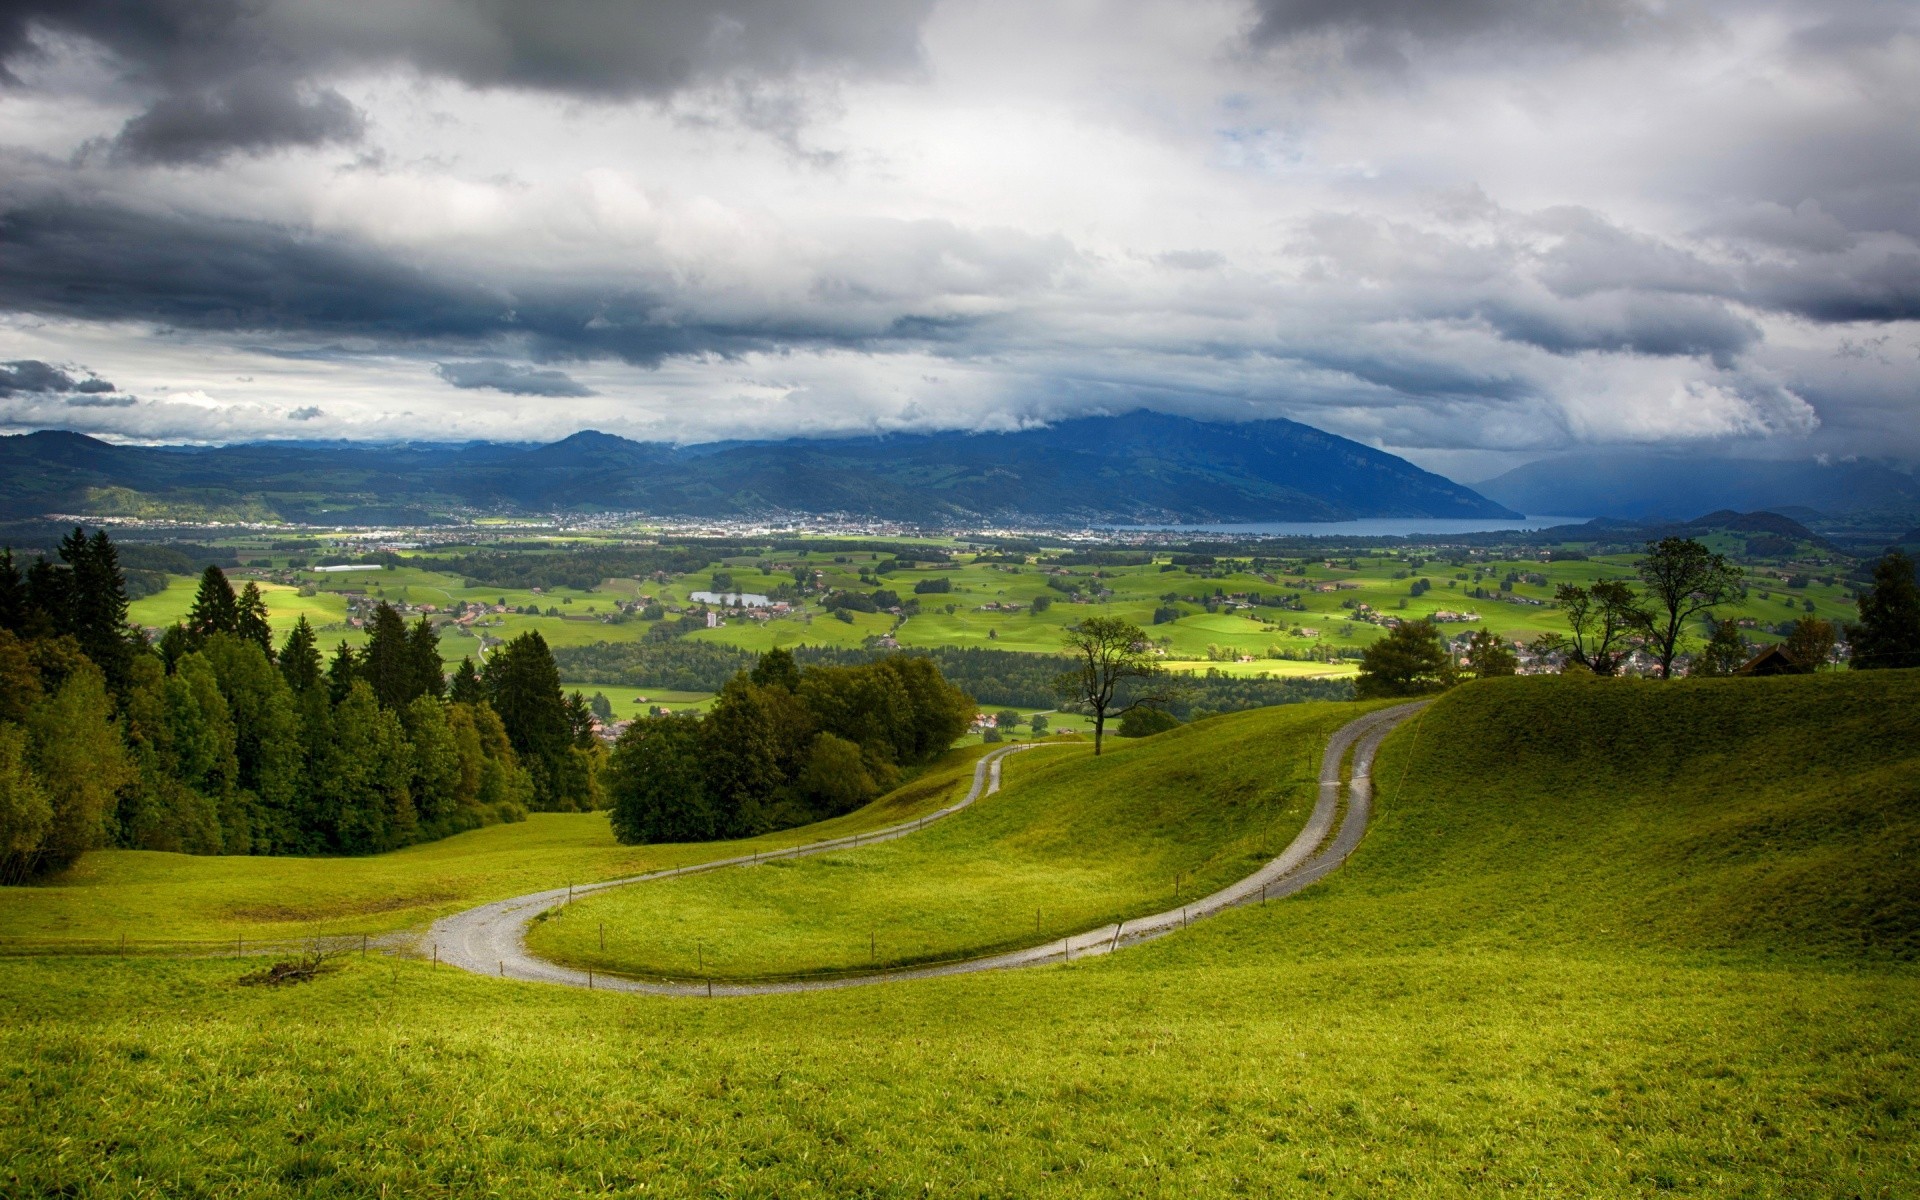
x: 1683, y: 579
x: 1109, y: 652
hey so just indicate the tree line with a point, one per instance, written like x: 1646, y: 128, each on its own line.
x: 214, y: 741
x: 1009, y: 677
x: 1608, y: 620
x: 782, y: 746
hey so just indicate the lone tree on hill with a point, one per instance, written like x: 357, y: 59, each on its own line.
x: 1411, y: 660
x: 1683, y: 579
x: 1888, y: 634
x: 1598, y: 618
x: 1107, y: 653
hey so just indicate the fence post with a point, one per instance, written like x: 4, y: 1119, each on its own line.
x: 436, y: 954
x: 503, y: 968
x: 589, y: 980
x: 603, y: 937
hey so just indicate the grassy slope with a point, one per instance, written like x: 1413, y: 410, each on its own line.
x: 1411, y: 1027
x: 151, y: 896
x: 1071, y: 843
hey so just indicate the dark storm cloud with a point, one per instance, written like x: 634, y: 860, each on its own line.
x: 69, y: 256
x: 251, y: 114
x: 32, y: 375
x: 101, y: 402
x: 227, y: 76
x: 511, y: 378
x: 307, y: 413
x: 1281, y: 20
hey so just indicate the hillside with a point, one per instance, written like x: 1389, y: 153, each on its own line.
x: 1139, y: 467
x: 1604, y: 938
x: 1072, y: 843
x: 1651, y: 485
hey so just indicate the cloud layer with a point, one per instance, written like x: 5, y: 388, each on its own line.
x: 1471, y: 232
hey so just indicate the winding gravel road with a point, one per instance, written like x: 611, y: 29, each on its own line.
x: 491, y: 939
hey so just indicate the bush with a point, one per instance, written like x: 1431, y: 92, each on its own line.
x: 1145, y: 722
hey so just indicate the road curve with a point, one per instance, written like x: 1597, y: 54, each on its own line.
x: 491, y: 939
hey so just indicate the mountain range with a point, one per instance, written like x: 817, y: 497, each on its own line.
x: 1142, y: 467
x: 1654, y: 486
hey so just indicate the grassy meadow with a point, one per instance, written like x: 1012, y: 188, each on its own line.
x: 1070, y: 843
x: 157, y: 899
x: 1605, y: 938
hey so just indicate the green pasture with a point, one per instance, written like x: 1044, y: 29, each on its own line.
x: 149, y: 896
x: 1605, y: 938
x: 1070, y: 843
x: 634, y: 702
x: 285, y: 606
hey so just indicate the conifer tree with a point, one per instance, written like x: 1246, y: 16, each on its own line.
x: 423, y: 650
x: 523, y: 686
x: 466, y: 687
x: 300, y: 657
x: 250, y: 618
x: 96, y: 609
x: 215, y: 608
x: 387, y: 662
x: 341, y: 672
x: 13, y: 594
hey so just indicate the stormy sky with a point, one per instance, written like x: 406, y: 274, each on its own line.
x: 1473, y: 232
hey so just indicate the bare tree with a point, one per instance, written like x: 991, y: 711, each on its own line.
x: 1108, y: 652
x: 1683, y: 579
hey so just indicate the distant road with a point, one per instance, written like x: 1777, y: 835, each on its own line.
x: 491, y: 939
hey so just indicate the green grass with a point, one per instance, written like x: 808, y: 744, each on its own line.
x: 633, y: 702
x: 1567, y: 961
x: 1070, y: 843
x: 150, y: 896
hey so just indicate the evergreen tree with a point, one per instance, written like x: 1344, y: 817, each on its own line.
x: 341, y: 672
x: 250, y: 618
x: 174, y: 643
x: 423, y: 648
x: 523, y: 687
x: 96, y: 610
x: 466, y: 687
x: 215, y: 608
x: 13, y: 594
x: 300, y: 657
x: 580, y: 720
x: 387, y: 662
x: 1888, y: 634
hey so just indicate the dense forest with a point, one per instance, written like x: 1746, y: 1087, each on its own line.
x: 214, y: 741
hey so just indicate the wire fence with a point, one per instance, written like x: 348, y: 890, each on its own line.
x: 239, y: 946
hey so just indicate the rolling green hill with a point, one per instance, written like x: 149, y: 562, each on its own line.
x: 1604, y: 939
x: 1073, y: 842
